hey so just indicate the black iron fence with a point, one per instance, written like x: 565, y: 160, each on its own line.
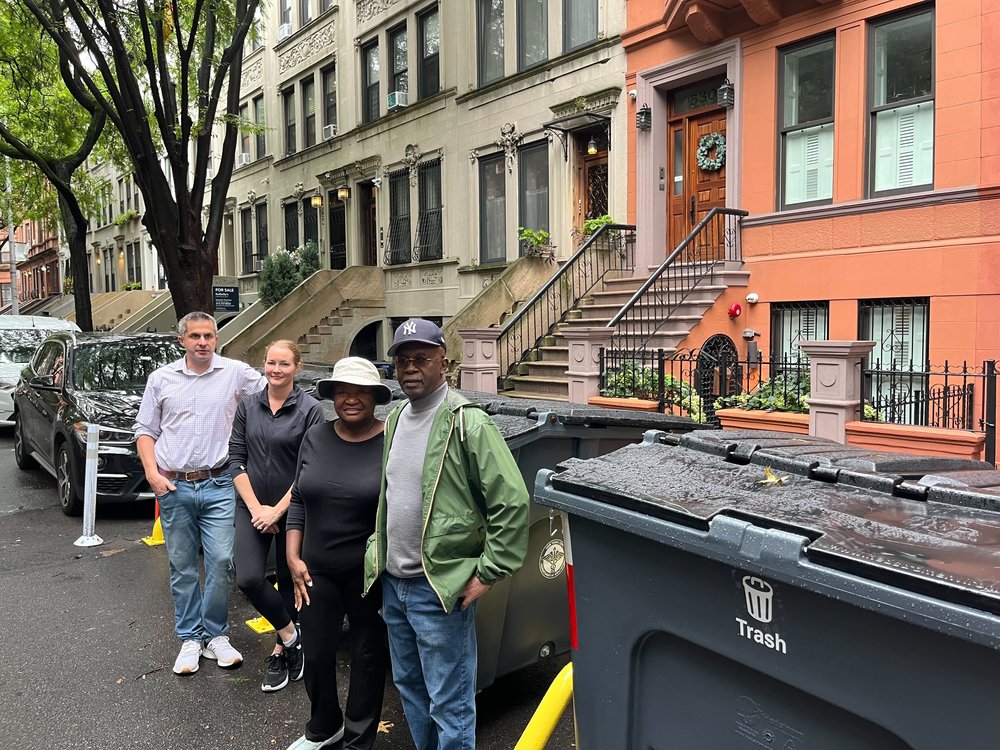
x: 610, y: 249
x: 695, y: 383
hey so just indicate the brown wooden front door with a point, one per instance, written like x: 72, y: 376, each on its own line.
x: 693, y: 191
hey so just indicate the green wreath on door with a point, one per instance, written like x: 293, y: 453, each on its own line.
x: 708, y: 143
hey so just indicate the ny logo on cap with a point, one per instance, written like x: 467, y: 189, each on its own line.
x: 409, y: 328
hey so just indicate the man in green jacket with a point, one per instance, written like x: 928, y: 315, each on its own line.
x: 452, y: 520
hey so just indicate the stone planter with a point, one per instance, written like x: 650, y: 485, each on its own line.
x: 611, y: 402
x: 780, y: 421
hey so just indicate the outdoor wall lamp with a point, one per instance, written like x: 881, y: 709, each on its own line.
x: 343, y: 193
x: 97, y: 260
x: 592, y: 146
x: 727, y: 95
x: 316, y: 201
x: 644, y: 118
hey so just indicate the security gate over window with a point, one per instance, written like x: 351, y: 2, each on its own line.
x: 899, y: 327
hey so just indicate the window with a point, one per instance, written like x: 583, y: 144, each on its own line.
x: 254, y: 35
x: 135, y: 194
x: 325, y: 5
x: 121, y: 195
x: 397, y: 49
x: 330, y: 96
x: 532, y: 33
x: 430, y: 50
x: 258, y: 117
x: 579, y: 23
x: 308, y: 112
x: 807, y: 74
x: 429, y: 242
x: 128, y: 194
x: 490, y: 41
x: 286, y: 12
x: 533, y: 178
x: 288, y: 96
x: 793, y: 322
x: 250, y: 264
x: 244, y: 133
x: 305, y: 12
x: 261, y: 215
x: 370, y: 102
x: 492, y: 210
x: 902, y: 103
x: 399, y: 218
x: 894, y: 380
x: 291, y: 227
x: 133, y: 263
x: 310, y: 222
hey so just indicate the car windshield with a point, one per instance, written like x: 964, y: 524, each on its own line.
x: 120, y: 365
x: 18, y: 345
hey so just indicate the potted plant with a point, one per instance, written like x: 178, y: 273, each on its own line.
x: 535, y: 242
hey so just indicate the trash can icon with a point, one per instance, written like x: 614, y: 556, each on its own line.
x: 758, y: 594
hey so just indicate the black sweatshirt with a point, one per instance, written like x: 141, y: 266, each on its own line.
x: 265, y: 446
x: 335, y: 497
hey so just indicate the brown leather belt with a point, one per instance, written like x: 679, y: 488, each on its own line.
x: 194, y: 476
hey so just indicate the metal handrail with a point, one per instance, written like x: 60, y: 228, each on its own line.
x: 548, y: 307
x: 692, y: 274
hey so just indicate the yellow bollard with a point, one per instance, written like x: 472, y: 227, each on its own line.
x: 536, y: 735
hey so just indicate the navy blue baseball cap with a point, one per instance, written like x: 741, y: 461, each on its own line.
x: 417, y: 331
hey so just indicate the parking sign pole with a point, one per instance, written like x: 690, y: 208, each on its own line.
x: 89, y: 538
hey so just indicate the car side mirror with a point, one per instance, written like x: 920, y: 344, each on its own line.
x: 43, y: 381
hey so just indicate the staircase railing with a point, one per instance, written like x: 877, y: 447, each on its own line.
x: 715, y: 239
x: 611, y: 248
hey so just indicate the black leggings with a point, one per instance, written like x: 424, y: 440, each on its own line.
x: 250, y: 550
x: 333, y: 595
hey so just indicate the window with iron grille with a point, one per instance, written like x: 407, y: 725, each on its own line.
x: 492, y: 210
x: 490, y: 41
x: 338, y: 233
x: 430, y: 49
x: 533, y: 187
x: 398, y: 249
x: 291, y: 227
x: 369, y: 98
x: 288, y: 97
x: 246, y: 240
x: 308, y: 112
x: 310, y: 222
x: 806, y: 123
x: 901, y: 103
x: 532, y: 33
x: 262, y: 247
x: 794, y: 322
x: 429, y: 239
x: 895, y: 380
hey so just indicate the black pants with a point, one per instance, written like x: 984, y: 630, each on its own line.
x: 250, y: 549
x: 331, y: 596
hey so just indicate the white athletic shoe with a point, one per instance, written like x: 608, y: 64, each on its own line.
x: 303, y: 744
x: 222, y: 651
x: 187, y: 660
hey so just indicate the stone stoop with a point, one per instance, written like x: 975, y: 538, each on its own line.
x: 545, y: 375
x: 330, y: 338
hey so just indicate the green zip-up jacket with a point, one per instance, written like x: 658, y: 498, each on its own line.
x: 475, y: 514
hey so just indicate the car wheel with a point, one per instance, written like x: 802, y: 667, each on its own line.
x: 69, y: 498
x: 22, y: 451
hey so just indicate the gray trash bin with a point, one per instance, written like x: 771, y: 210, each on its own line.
x: 851, y: 601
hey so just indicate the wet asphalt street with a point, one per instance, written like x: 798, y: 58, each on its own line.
x: 90, y: 642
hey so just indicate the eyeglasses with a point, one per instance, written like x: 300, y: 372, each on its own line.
x: 403, y: 362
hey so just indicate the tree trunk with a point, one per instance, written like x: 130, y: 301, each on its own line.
x: 75, y: 224
x: 189, y: 265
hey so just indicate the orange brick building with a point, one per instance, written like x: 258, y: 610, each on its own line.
x: 864, y: 142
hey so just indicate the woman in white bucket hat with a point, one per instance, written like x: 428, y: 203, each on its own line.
x: 334, y: 500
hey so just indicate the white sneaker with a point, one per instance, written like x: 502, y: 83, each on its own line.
x: 222, y: 651
x: 187, y: 660
x: 303, y: 744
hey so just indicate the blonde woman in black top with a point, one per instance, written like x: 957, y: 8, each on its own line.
x: 332, y: 514
x: 263, y: 452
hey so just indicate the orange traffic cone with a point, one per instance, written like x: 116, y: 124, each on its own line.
x: 155, y: 539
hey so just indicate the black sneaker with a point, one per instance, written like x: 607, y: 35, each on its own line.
x: 294, y: 657
x: 276, y: 676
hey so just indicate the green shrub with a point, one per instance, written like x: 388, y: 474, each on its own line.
x: 786, y: 391
x: 307, y: 259
x: 278, y: 277
x: 638, y: 381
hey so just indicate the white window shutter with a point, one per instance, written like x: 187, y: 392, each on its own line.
x: 809, y: 165
x: 904, y: 147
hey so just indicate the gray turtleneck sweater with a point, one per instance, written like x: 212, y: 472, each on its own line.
x: 404, y: 499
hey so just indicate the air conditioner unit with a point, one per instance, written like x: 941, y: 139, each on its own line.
x: 242, y: 160
x: 395, y: 100
x: 284, y: 30
x: 329, y: 131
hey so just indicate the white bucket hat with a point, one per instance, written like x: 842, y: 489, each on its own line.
x: 356, y: 371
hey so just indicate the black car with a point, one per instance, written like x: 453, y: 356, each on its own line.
x: 76, y: 379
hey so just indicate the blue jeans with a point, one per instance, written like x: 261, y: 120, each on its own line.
x: 433, y: 663
x: 199, y: 515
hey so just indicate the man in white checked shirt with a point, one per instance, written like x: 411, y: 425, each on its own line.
x: 183, y: 440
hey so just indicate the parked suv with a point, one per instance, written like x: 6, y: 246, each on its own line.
x: 20, y: 335
x: 79, y: 378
